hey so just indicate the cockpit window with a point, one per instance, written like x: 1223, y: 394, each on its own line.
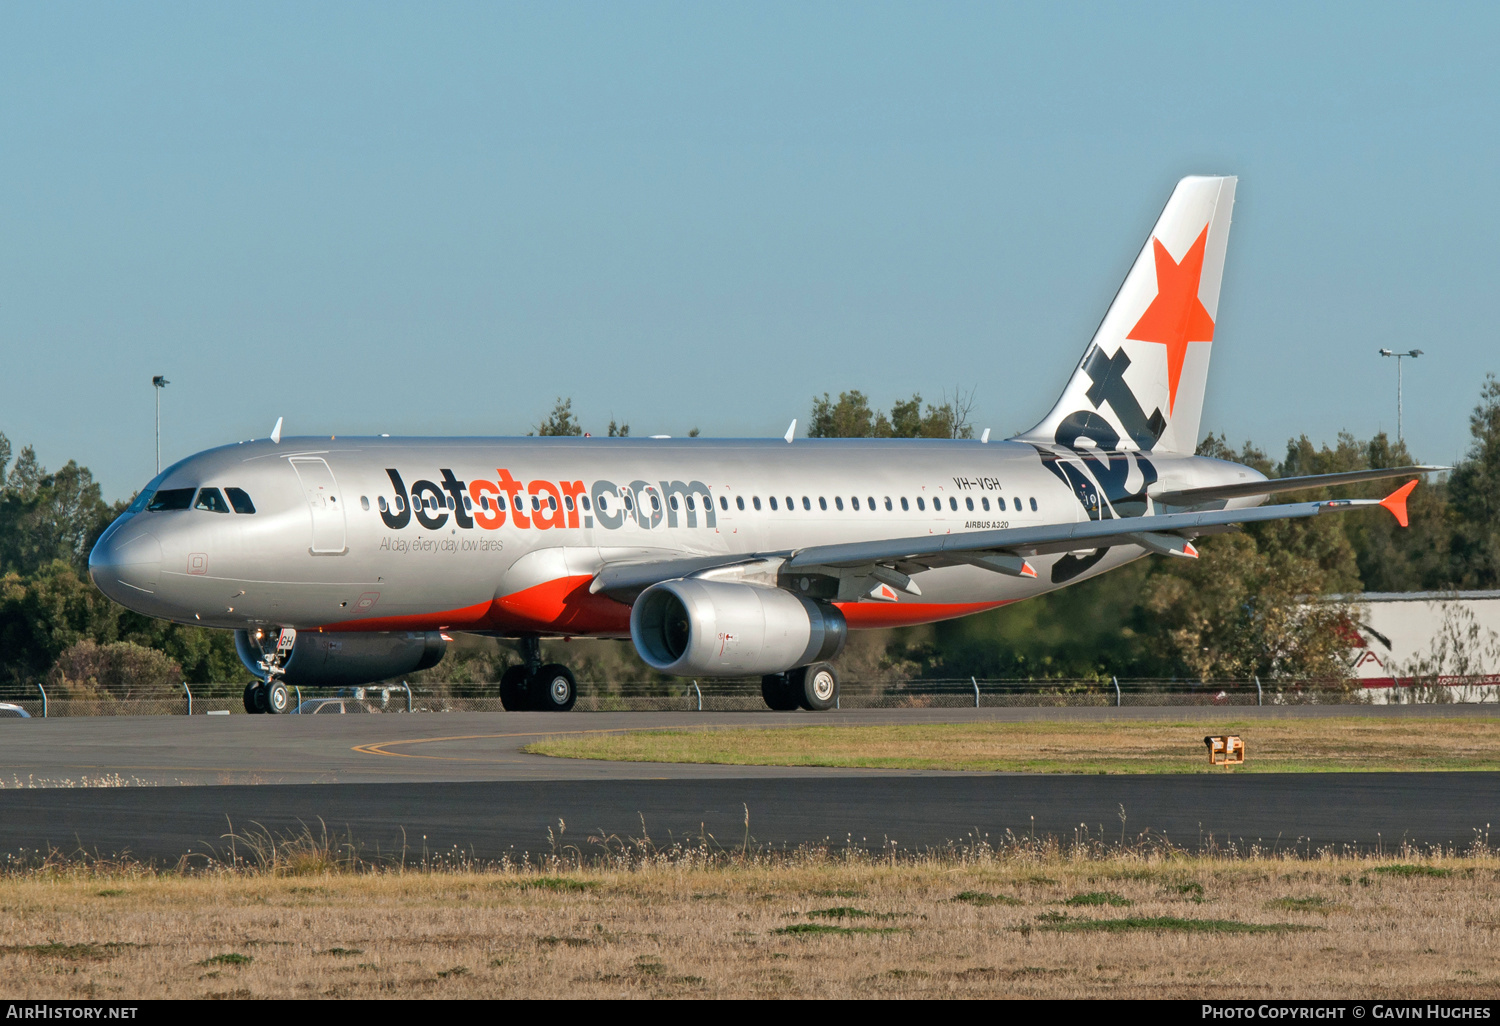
x: 240, y: 500
x: 171, y: 498
x: 211, y: 500
x: 145, y: 494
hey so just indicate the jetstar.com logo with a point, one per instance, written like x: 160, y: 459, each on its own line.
x: 542, y: 505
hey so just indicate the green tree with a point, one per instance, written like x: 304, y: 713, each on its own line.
x: 120, y: 670
x: 618, y: 430
x: 1239, y: 611
x: 850, y: 416
x: 1474, y: 492
x: 560, y: 422
x: 47, y: 516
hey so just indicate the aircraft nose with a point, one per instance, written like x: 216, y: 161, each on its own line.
x: 126, y: 564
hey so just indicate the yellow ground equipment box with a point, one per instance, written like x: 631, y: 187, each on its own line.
x: 1225, y: 750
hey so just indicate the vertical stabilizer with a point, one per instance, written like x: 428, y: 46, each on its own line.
x: 1140, y: 384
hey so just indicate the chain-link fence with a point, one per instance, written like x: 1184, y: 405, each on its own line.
x: 744, y: 695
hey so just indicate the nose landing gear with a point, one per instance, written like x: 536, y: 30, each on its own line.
x: 271, y: 695
x: 533, y: 686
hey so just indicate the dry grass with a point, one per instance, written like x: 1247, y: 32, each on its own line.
x: 808, y: 925
x: 1272, y: 746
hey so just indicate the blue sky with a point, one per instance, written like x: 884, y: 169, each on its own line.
x: 433, y: 219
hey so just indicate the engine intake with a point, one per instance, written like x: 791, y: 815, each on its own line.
x: 345, y: 659
x: 720, y: 629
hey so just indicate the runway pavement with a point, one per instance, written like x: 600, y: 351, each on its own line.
x: 459, y: 781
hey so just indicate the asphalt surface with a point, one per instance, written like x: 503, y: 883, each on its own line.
x: 409, y: 786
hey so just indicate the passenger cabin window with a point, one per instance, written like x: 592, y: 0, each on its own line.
x: 690, y: 504
x: 921, y: 503
x: 790, y: 505
x: 568, y: 503
x: 467, y: 504
x: 953, y: 504
x: 854, y: 502
x: 499, y: 502
x: 167, y: 499
x: 211, y: 500
x: 381, y: 505
x: 838, y: 502
x: 1018, y: 504
x: 822, y: 503
x: 655, y: 502
x: 239, y: 500
x: 1033, y: 504
x: 887, y: 504
x: 806, y: 502
x: 739, y: 502
x: 904, y: 507
x: 969, y: 502
x: 551, y: 503
x: 872, y: 503
x: 364, y: 502
x: 756, y: 503
x: 673, y: 501
x: 773, y: 503
x: 585, y: 500
x: 1000, y: 503
x: 724, y: 502
x: 985, y: 502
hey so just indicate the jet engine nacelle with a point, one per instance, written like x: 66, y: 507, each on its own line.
x: 347, y: 659
x: 721, y: 629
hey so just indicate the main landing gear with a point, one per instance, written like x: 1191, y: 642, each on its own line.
x: 535, y: 686
x: 814, y: 687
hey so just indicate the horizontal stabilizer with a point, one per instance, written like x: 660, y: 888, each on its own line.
x: 1272, y: 486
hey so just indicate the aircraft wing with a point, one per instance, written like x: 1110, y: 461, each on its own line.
x: 626, y: 580
x: 1002, y: 551
x: 1271, y: 486
x: 1153, y: 532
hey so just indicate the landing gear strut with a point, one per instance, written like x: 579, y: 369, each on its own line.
x: 533, y: 686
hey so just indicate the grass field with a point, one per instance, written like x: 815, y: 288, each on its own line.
x: 1272, y: 746
x: 1122, y: 926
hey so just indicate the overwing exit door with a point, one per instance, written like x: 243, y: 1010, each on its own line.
x: 325, y: 504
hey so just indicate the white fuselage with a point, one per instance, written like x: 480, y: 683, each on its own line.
x: 335, y: 543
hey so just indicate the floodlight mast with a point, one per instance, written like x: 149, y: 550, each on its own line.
x: 1413, y: 353
x: 158, y: 382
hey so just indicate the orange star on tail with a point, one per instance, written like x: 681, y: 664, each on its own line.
x: 1176, y: 316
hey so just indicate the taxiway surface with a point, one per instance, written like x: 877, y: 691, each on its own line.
x: 440, y: 783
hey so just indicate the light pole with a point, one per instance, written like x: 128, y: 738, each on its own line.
x: 1413, y: 353
x: 159, y: 383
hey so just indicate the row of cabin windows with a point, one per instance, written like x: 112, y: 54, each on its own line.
x: 209, y: 499
x: 488, y: 503
x: 854, y: 503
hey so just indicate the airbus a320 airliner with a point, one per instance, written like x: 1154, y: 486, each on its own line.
x: 346, y: 560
